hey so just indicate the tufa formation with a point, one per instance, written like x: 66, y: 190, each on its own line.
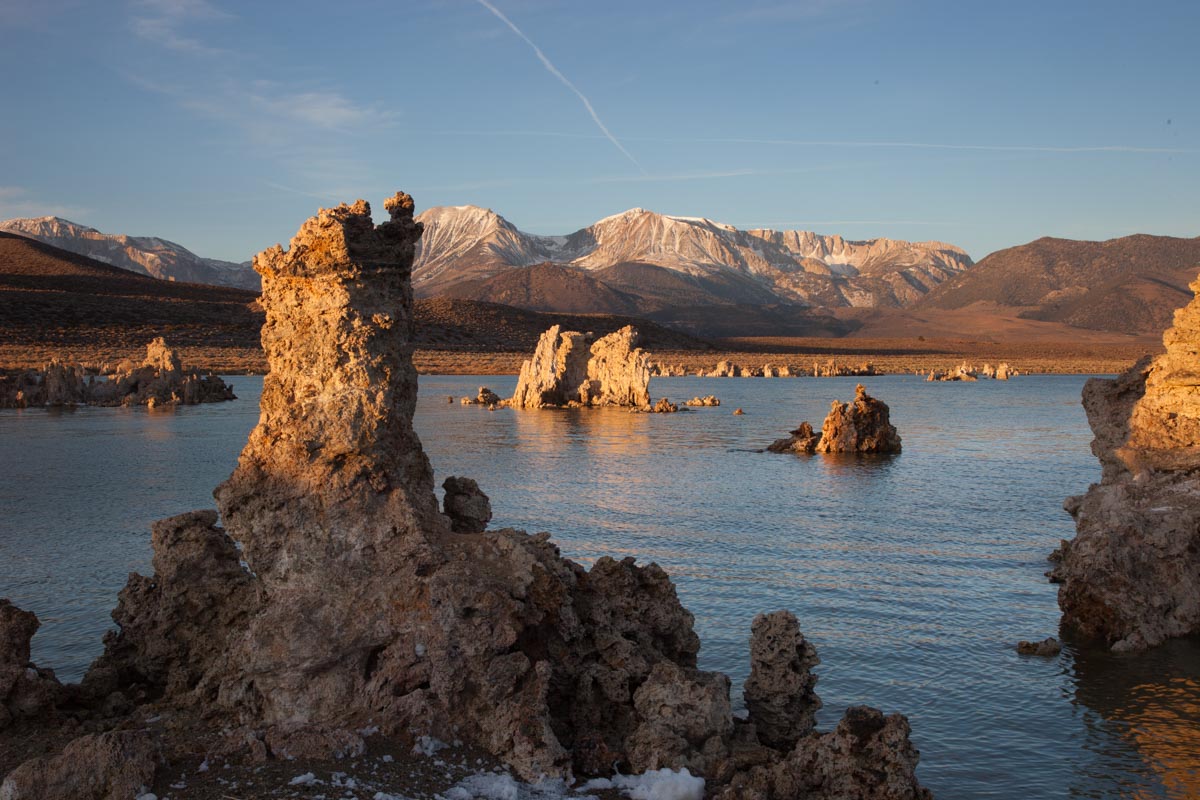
x: 337, y: 600
x: 159, y: 380
x: 569, y: 368
x: 1131, y: 575
x: 863, y: 426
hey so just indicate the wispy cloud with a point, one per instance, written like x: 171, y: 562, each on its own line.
x: 161, y: 22
x: 16, y: 201
x: 553, y: 70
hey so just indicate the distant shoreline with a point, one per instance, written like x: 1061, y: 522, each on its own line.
x: 887, y: 356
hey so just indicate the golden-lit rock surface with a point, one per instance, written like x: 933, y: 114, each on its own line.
x: 861, y: 426
x: 572, y: 368
x: 1131, y: 575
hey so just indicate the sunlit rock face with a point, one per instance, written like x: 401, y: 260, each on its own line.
x: 569, y: 368
x: 1131, y: 575
x: 861, y: 426
x: 337, y: 598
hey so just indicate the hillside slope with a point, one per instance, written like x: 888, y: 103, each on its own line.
x: 147, y: 255
x: 1128, y: 285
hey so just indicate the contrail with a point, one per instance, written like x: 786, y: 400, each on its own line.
x: 553, y: 70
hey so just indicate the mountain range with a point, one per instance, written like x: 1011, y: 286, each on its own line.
x: 643, y: 261
x: 148, y: 255
x: 714, y: 280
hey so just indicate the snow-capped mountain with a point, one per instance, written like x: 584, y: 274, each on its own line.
x: 145, y: 254
x: 467, y: 243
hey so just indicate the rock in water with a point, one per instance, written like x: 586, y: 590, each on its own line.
x: 859, y: 427
x: 1131, y: 575
x: 570, y: 368
x: 863, y: 426
x: 801, y: 440
x: 338, y: 597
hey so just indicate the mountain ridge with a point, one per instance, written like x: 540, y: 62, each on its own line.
x: 469, y: 243
x: 147, y: 255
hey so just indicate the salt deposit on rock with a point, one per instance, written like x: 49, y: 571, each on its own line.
x: 1131, y: 575
x: 572, y: 368
x: 338, y: 600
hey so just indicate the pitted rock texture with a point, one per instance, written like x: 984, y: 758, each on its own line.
x: 159, y: 380
x: 27, y: 692
x: 468, y: 508
x: 337, y: 597
x: 780, y: 692
x: 868, y: 756
x: 570, y: 368
x: 801, y: 440
x: 863, y: 426
x: 1131, y: 575
x: 118, y: 765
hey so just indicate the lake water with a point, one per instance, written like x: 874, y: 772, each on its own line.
x: 914, y: 575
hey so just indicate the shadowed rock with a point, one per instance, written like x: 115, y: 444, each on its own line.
x: 118, y: 765
x: 801, y: 440
x: 26, y: 691
x: 468, y: 508
x: 1131, y: 575
x: 780, y: 691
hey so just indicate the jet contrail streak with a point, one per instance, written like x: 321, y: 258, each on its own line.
x: 553, y: 70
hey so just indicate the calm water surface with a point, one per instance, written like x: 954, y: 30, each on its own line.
x: 914, y: 574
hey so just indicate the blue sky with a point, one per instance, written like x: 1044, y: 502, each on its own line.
x: 223, y: 125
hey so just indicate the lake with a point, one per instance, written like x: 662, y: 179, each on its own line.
x: 914, y: 575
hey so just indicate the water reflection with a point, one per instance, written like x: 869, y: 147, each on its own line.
x: 1146, y: 708
x: 915, y: 575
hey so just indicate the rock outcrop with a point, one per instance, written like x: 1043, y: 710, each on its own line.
x: 863, y: 426
x: 780, y: 691
x: 26, y: 691
x: 118, y: 765
x: 338, y: 599
x: 469, y: 509
x: 1131, y: 575
x: 868, y: 756
x: 707, y: 400
x: 569, y: 368
x: 159, y: 380
x: 801, y: 440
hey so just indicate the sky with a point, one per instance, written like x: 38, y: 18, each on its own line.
x: 223, y: 125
